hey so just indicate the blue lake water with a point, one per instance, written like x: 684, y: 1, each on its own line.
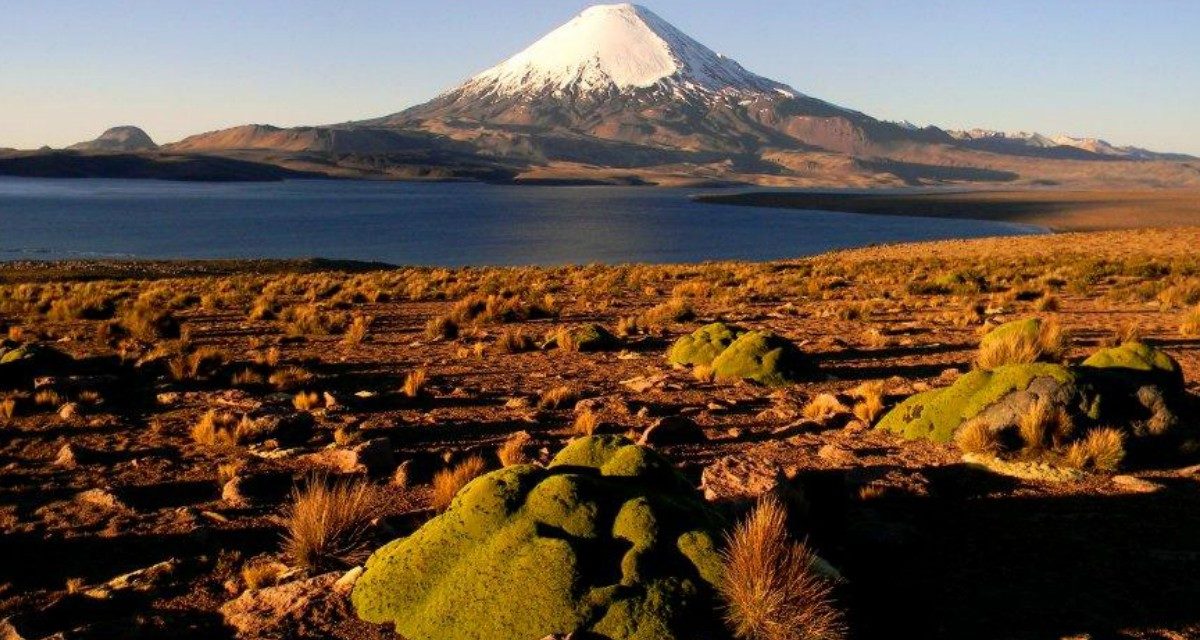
x: 425, y: 223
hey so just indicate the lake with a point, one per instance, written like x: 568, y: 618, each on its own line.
x: 448, y: 224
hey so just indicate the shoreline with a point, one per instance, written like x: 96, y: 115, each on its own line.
x: 1054, y: 211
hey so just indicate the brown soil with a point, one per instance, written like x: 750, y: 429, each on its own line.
x: 930, y: 547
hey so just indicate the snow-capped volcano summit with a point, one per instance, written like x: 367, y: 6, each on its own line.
x: 618, y: 46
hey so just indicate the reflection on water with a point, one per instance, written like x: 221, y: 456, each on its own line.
x: 425, y: 223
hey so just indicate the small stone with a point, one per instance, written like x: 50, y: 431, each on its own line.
x: 345, y: 583
x: 167, y: 398
x: 1135, y: 484
x: 372, y: 457
x: 69, y: 411
x: 672, y: 430
x: 103, y: 499
x: 796, y: 428
x: 519, y: 402
x: 836, y: 454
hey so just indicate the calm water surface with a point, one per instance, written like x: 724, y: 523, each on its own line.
x: 425, y: 223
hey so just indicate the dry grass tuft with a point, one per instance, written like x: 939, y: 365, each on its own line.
x: 704, y: 373
x: 1016, y: 348
x: 976, y: 437
x: 47, y: 398
x: 1043, y: 422
x: 1101, y: 449
x: 306, y: 401
x: 289, y: 378
x: 414, y: 383
x: 262, y: 573
x: 8, y: 408
x: 216, y: 429
x: 823, y: 407
x: 514, y: 341
x: 587, y: 423
x: 357, y: 331
x: 870, y: 405
x: 512, y: 452
x: 770, y: 586
x: 328, y: 522
x: 448, y: 482
x: 557, y: 397
x: 441, y: 328
x: 1190, y: 326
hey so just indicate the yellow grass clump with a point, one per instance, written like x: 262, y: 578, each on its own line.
x: 328, y: 522
x: 448, y: 482
x: 512, y: 452
x: 1101, y: 449
x: 1019, y: 348
x: 771, y: 587
x: 557, y: 397
x: 414, y: 383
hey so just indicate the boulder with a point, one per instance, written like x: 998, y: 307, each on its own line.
x: 672, y: 430
x: 762, y: 357
x: 998, y: 396
x: 608, y: 539
x: 1139, y: 385
x: 373, y: 457
x: 295, y: 609
x: 703, y: 345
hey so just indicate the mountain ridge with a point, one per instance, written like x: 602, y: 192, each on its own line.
x: 618, y: 89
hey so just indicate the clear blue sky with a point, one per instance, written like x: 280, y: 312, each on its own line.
x: 1127, y: 71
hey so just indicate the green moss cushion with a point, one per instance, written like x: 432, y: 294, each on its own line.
x: 607, y: 539
x: 936, y: 415
x: 704, y: 344
x: 1137, y: 361
x: 763, y: 357
x: 1026, y: 330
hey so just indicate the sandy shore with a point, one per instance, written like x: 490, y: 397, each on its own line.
x: 1055, y: 210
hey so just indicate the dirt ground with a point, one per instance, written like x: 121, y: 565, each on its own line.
x: 930, y: 547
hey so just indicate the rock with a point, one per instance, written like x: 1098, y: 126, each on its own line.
x: 140, y: 581
x: 740, y: 478
x: 72, y: 455
x: 290, y: 610
x: 1135, y: 484
x: 762, y: 357
x: 519, y: 402
x: 511, y: 553
x: 837, y: 454
x: 645, y: 383
x: 704, y: 344
x: 103, y: 499
x: 69, y: 411
x: 345, y: 584
x: 998, y: 396
x: 796, y: 428
x: 672, y: 430
x: 1023, y: 470
x: 373, y: 457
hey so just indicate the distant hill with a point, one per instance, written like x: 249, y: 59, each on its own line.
x: 118, y: 139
